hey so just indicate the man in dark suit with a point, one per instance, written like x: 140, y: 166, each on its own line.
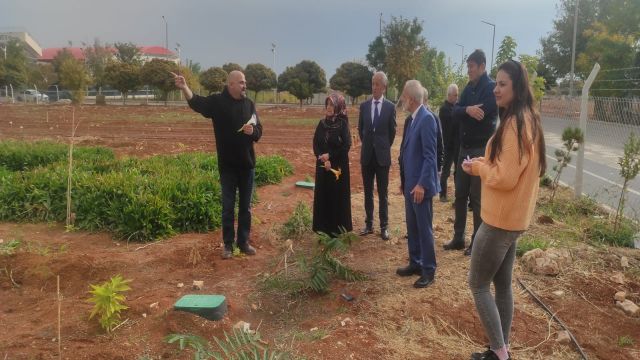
x: 419, y: 168
x: 376, y: 129
x: 450, y: 137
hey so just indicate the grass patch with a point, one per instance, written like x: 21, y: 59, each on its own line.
x: 530, y: 242
x: 136, y: 199
x: 603, y: 232
x: 9, y: 247
x: 626, y: 340
x: 299, y: 223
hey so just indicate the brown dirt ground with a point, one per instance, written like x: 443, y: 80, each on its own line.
x: 388, y: 319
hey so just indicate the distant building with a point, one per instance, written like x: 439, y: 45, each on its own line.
x: 147, y: 53
x: 30, y: 46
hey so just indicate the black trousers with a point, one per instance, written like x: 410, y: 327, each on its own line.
x: 467, y: 191
x: 450, y: 158
x: 381, y: 175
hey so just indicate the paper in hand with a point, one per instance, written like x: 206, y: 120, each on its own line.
x: 252, y: 121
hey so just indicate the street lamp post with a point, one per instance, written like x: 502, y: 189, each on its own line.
x: 275, y: 91
x: 493, y: 42
x: 573, y: 49
x: 166, y: 33
x: 461, y: 55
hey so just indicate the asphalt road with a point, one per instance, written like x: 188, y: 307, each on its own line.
x: 604, y: 144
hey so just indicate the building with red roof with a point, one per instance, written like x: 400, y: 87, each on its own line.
x: 147, y: 53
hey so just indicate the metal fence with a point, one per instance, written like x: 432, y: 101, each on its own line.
x: 610, y: 122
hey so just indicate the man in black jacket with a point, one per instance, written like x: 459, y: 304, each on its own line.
x: 236, y: 127
x: 477, y: 115
x: 377, y: 130
x: 450, y: 138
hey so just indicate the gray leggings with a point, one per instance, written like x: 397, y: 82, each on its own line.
x: 492, y: 257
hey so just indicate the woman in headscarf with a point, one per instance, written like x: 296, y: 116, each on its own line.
x: 332, y: 194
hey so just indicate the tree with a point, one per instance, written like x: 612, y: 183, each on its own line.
x: 157, y: 73
x: 96, y: 59
x: 506, y: 52
x: 229, y: 67
x: 123, y: 77
x: 303, y: 80
x: 435, y: 75
x: 629, y: 169
x: 353, y: 79
x: 377, y: 54
x: 73, y: 76
x: 41, y: 75
x: 213, y: 79
x: 259, y: 78
x: 15, y: 65
x: 195, y: 67
x: 556, y: 48
x: 128, y: 53
x: 405, y: 47
x: 537, y: 83
x: 62, y: 56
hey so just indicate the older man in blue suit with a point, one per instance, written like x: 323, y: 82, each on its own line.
x: 419, y: 173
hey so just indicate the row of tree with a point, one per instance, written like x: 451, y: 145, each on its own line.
x: 608, y: 32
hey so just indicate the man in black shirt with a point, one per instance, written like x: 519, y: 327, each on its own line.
x: 236, y: 127
x: 477, y: 115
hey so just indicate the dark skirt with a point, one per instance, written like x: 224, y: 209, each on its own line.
x: 332, y: 199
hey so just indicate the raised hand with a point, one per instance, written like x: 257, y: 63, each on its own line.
x: 180, y: 81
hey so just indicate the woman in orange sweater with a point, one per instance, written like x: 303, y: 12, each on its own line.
x: 509, y: 172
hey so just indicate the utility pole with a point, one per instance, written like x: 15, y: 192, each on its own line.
x: 461, y: 55
x: 166, y: 33
x: 380, y: 24
x: 573, y: 49
x: 493, y: 42
x: 275, y: 91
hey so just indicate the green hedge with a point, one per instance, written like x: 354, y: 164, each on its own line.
x: 136, y: 199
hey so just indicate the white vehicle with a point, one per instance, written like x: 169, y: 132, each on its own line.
x: 31, y: 95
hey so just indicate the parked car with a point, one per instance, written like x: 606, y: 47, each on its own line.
x: 31, y: 95
x: 57, y: 94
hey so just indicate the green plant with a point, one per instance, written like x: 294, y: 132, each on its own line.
x: 10, y: 247
x: 108, y: 300
x: 299, y: 223
x: 136, y: 199
x: 572, y: 138
x: 604, y: 232
x: 323, y: 263
x: 546, y: 181
x: 240, y: 345
x: 625, y: 340
x: 629, y: 168
x: 200, y: 346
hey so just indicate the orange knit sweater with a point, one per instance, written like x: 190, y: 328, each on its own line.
x: 510, y: 185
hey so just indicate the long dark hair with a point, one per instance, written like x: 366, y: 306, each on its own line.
x: 522, y: 102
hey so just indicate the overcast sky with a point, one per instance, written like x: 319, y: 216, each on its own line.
x: 214, y: 32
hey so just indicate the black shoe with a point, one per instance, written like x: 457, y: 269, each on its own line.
x: 227, y: 252
x: 423, y: 281
x: 453, y: 245
x: 409, y: 271
x: 247, y: 249
x: 467, y: 251
x: 366, y: 231
x: 384, y: 234
x: 487, y: 355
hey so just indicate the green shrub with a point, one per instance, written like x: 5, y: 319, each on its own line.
x: 136, y: 199
x: 272, y: 169
x: 605, y: 232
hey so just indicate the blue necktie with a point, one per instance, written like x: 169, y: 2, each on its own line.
x: 376, y: 115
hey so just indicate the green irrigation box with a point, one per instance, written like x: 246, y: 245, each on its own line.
x: 212, y: 307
